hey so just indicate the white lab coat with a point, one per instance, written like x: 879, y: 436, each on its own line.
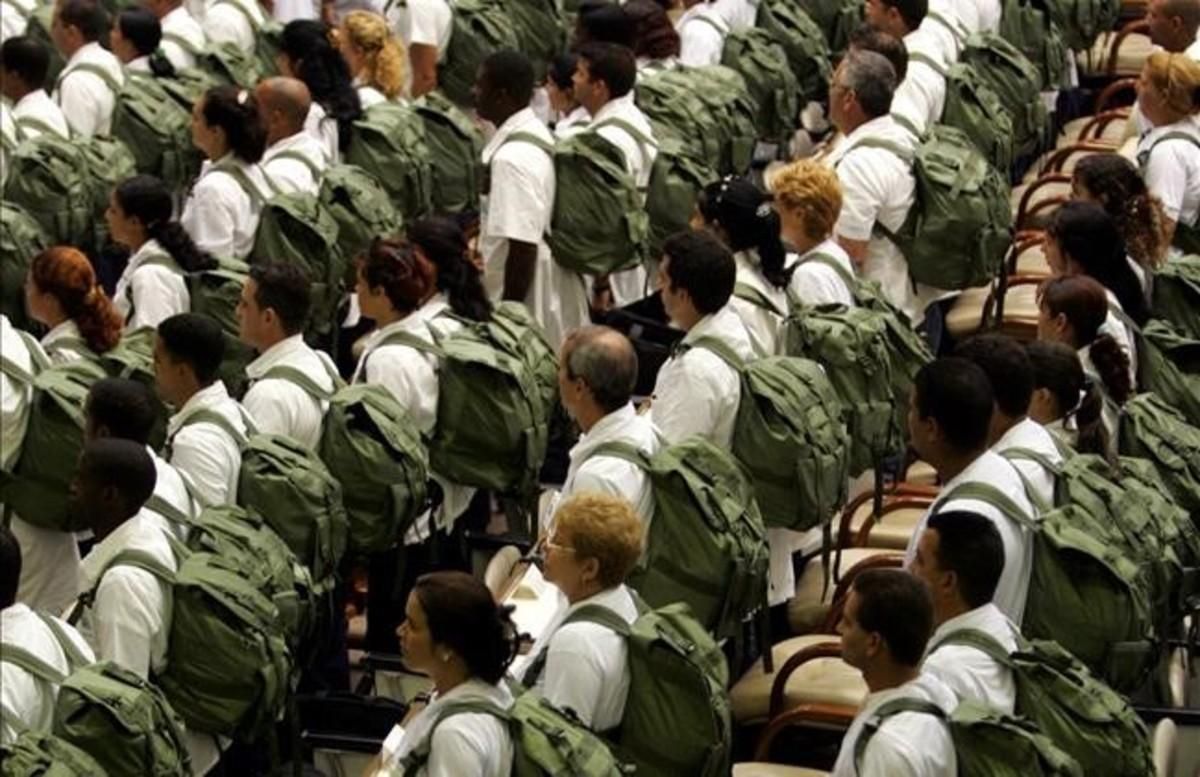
x: 25, y: 697
x: 1031, y: 435
x: 468, y: 743
x: 969, y: 672
x: 701, y: 35
x: 182, y: 38
x: 993, y: 470
x: 815, y: 283
x: 587, y: 665
x: 204, y: 453
x: 761, y: 325
x: 518, y: 207
x: 290, y: 175
x: 148, y: 293
x: 36, y: 109
x: 603, y: 474
x: 279, y: 406
x: 908, y: 744
x: 219, y: 214
x: 86, y: 100
x: 233, y: 21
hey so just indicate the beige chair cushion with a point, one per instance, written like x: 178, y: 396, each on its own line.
x: 893, y: 531
x: 1130, y: 59
x: 1032, y: 261
x: 500, y: 569
x: 820, y: 681
x: 1164, y: 743
x: 1113, y: 132
x: 808, y: 608
x: 1128, y: 149
x: 755, y: 769
x: 921, y: 473
x: 965, y: 315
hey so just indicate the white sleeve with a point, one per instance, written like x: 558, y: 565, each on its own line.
x: 883, y: 758
x: 152, y: 299
x: 198, y: 453
x: 862, y: 197
x: 1165, y: 178
x: 572, y: 679
x: 127, y: 614
x: 209, y: 221
x: 77, y: 97
x: 699, y: 44
x: 423, y: 24
x: 513, y: 211
x: 269, y: 410
x: 683, y: 404
x: 454, y: 753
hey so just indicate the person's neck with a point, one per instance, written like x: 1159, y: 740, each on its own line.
x: 107, y: 524
x: 1000, y: 426
x: 584, y: 592
x: 187, y: 395
x: 952, y: 464
x: 17, y: 93
x: 137, y: 242
x: 53, y: 318
x: 282, y: 133
x: 589, y: 416
x: 689, y: 318
x: 806, y: 244
x: 948, y: 610
x: 887, y: 674
x: 390, y: 316
x: 270, y: 340
x: 507, y: 112
x: 448, y: 675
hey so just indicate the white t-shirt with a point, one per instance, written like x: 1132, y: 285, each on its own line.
x: 148, y: 292
x: 762, y: 324
x: 234, y: 21
x: 1172, y: 171
x: 220, y: 215
x: 35, y: 112
x: 815, y: 282
x: 424, y: 22
x: 85, y: 97
x: 738, y: 14
x: 701, y: 35
x: 205, y: 453
x: 469, y: 743
x: 183, y: 38
x: 25, y: 697
x: 279, y: 406
x: 969, y: 672
x: 589, y: 472
x: 1031, y: 435
x: 290, y: 174
x: 921, y: 96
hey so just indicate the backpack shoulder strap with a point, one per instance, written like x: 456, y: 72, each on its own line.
x: 419, y: 755
x: 25, y: 123
x: 928, y: 61
x: 23, y: 659
x: 126, y: 558
x: 156, y: 504
x: 216, y: 419
x: 160, y: 259
x: 993, y: 496
x: 77, y: 344
x: 75, y: 657
x: 887, y: 145
x: 719, y: 349
x: 624, y: 451
x: 886, y: 710
x: 296, y: 156
x: 90, y: 67
x: 301, y: 380
x: 639, y: 137
x: 981, y: 641
x: 412, y: 341
x: 711, y: 22
x: 531, y: 139
x: 183, y: 43
x: 243, y: 181
x: 15, y: 371
x: 588, y: 613
x: 243, y: 10
x: 907, y: 124
x: 825, y: 259
x: 745, y: 291
x: 1189, y: 137
x: 1029, y: 454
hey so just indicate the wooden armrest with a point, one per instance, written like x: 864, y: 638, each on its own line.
x: 1139, y: 26
x: 886, y: 559
x: 806, y: 714
x: 831, y: 649
x: 1057, y: 160
x: 901, y: 489
x: 1024, y: 210
x: 889, y: 506
x: 1022, y: 242
x: 1100, y: 122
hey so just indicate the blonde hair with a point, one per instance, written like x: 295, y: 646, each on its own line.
x: 1177, y: 78
x: 605, y: 528
x: 809, y: 191
x: 383, y: 67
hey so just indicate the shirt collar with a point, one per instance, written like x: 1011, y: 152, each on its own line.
x: 971, y: 471
x: 300, y: 141
x: 713, y: 325
x: 524, y: 119
x: 102, y: 553
x: 206, y: 398
x: 606, y: 429
x: 609, y: 598
x: 614, y: 108
x: 31, y: 101
x: 416, y: 323
x: 84, y: 52
x: 145, y: 251
x: 879, y: 125
x: 66, y: 330
x: 277, y: 354
x: 1016, y: 434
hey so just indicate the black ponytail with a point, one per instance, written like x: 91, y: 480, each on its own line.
x: 149, y: 199
x: 445, y: 244
x: 1091, y: 435
x: 744, y: 212
x: 325, y: 72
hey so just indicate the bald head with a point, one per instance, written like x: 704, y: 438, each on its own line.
x: 285, y: 103
x: 605, y: 360
x: 1173, y: 23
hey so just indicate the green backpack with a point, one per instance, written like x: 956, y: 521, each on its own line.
x: 676, y: 181
x: 371, y: 447
x: 157, y: 130
x: 764, y: 63
x: 122, y: 721
x: 1089, y: 721
x: 806, y: 48
x: 1083, y: 592
x: 21, y: 239
x: 987, y: 742
x: 221, y: 64
x: 836, y: 19
x: 40, y: 754
x: 493, y: 412
x: 1016, y: 81
x: 1030, y: 27
x: 959, y: 228
x: 1083, y: 21
x: 1177, y: 293
x: 455, y: 145
x: 361, y: 207
x: 599, y: 224
x: 540, y: 30
x: 790, y: 436
x: 1172, y: 526
x: 972, y: 107
x: 480, y: 28
x: 40, y: 23
x: 707, y: 544
x: 1169, y: 364
x: 48, y: 178
x: 670, y: 656
x: 267, y: 35
x: 389, y: 143
x: 228, y: 667
x: 1151, y: 429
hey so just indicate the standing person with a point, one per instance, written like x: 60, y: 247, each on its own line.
x: 306, y: 52
x: 424, y: 26
x: 182, y: 37
x: 921, y: 94
x: 222, y: 211
x: 374, y: 57
x: 1169, y: 151
x: 135, y: 37
x: 570, y: 116
x: 203, y: 434
x: 23, y: 65
x: 152, y: 287
x: 701, y: 33
x: 604, y: 80
x: 87, y: 87
x: 520, y: 202
x: 655, y: 40
x: 294, y: 161
x: 239, y: 22
x: 272, y: 312
x: 1065, y: 401
x: 443, y: 243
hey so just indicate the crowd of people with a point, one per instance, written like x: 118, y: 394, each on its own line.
x: 807, y: 234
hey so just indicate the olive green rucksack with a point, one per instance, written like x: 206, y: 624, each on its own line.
x: 837, y: 19
x: 670, y: 656
x: 1151, y: 429
x: 41, y: 754
x: 1177, y: 293
x: 362, y: 209
x: 987, y: 742
x: 790, y: 436
x: 370, y: 445
x: 972, y: 107
x: 157, y: 130
x: 1082, y: 716
x: 959, y: 228
x: 707, y: 544
x: 1081, y: 22
x: 1016, y: 81
x: 124, y: 722
x: 455, y: 146
x: 541, y: 31
x: 480, y: 27
x: 1030, y: 27
x: 48, y: 178
x: 389, y: 143
x: 21, y: 239
x: 1169, y: 363
x: 764, y: 63
x: 807, y: 50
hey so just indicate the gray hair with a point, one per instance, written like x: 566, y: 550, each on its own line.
x: 605, y: 360
x: 872, y: 79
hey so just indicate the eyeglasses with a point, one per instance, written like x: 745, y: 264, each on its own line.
x: 557, y: 547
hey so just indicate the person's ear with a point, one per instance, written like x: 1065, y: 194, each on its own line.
x: 589, y: 570
x: 874, y: 644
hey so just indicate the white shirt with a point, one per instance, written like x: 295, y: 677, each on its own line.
x: 203, y: 452
x: 35, y: 109
x: 86, y: 100
x: 969, y: 672
x: 469, y: 743
x: 1029, y: 434
x: 150, y: 291
x: 1110, y: 415
x: 698, y: 393
x: 324, y: 129
x: 950, y: 40
x: 288, y: 10
x: 987, y: 14
x: 921, y: 96
x: 233, y: 21
x: 607, y: 474
x: 140, y: 65
x: 761, y: 325
x: 64, y: 343
x: 1126, y: 338
x: 587, y: 665
x: 14, y: 18
x: 1172, y: 172
x: 219, y: 214
x: 574, y: 122
x: 171, y: 489
x: 878, y: 187
x: 815, y: 283
x: 519, y: 206
x: 907, y: 744
x: 178, y: 25
x: 279, y: 406
x: 290, y: 175
x: 25, y: 697
x: 629, y: 285
x: 701, y: 35
x: 369, y: 96
x: 738, y: 14
x: 8, y: 138
x: 15, y: 397
x: 424, y: 22
x: 994, y: 471
x: 411, y: 377
x: 129, y: 621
